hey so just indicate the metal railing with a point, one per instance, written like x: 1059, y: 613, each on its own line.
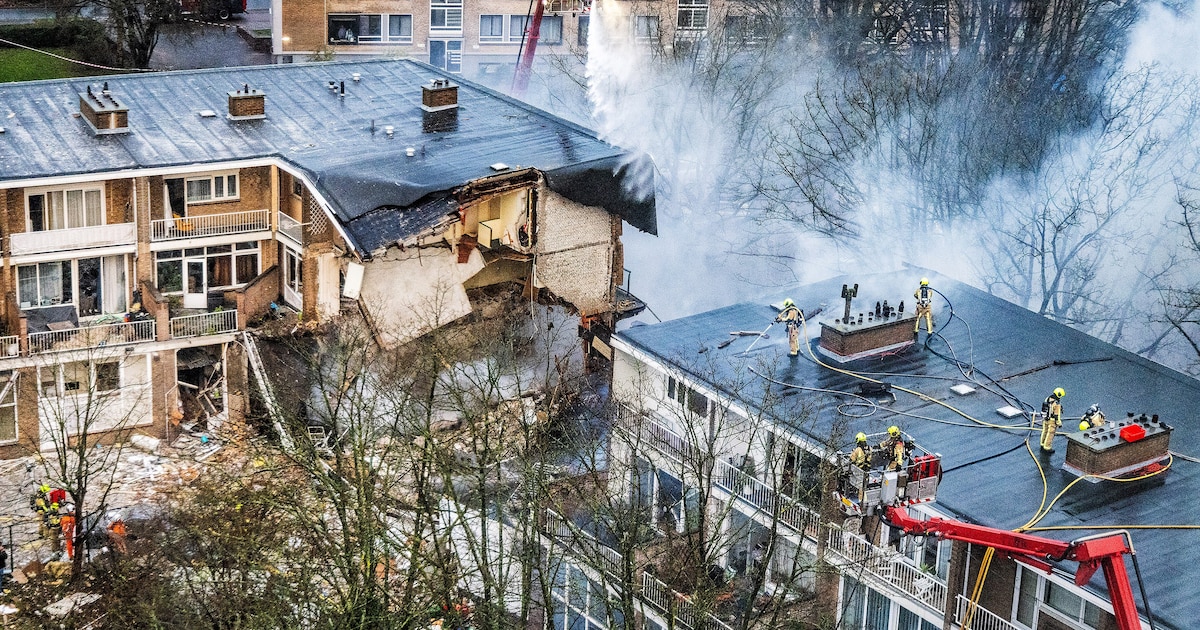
x: 670, y: 601
x: 291, y: 228
x: 584, y: 544
x: 94, y: 336
x: 10, y: 346
x: 22, y: 243
x: 654, y: 433
x: 982, y: 618
x: 749, y: 489
x: 888, y: 566
x: 222, y: 224
x: 213, y: 323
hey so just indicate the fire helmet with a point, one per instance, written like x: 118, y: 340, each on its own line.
x: 1059, y: 392
x: 861, y: 437
x: 894, y: 431
x: 788, y: 302
x: 924, y: 282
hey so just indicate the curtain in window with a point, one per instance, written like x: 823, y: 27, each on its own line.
x: 27, y: 285
x: 58, y: 212
x: 220, y: 271
x: 74, y: 208
x: 52, y: 283
x: 114, y: 284
x: 247, y: 268
x: 92, y: 208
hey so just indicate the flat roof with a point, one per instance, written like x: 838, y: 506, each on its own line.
x: 990, y: 477
x: 338, y: 142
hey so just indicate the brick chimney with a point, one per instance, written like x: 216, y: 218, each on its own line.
x: 439, y: 100
x: 247, y: 104
x: 439, y: 95
x: 103, y: 112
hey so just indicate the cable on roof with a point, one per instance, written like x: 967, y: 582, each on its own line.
x: 82, y: 63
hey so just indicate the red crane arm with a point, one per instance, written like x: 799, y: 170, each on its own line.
x: 1105, y: 551
x: 525, y: 66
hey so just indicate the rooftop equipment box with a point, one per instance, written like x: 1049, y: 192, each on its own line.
x: 846, y: 342
x: 1118, y: 447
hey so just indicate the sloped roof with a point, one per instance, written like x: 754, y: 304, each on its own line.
x: 990, y: 477
x: 338, y: 142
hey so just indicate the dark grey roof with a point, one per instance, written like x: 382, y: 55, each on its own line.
x: 991, y: 479
x: 339, y: 142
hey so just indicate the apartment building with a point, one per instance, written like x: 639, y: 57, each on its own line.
x: 482, y: 41
x: 707, y: 429
x: 149, y: 220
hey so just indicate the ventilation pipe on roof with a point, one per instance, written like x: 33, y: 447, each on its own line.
x: 103, y: 112
x: 247, y: 103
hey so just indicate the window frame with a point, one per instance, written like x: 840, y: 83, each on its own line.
x: 492, y: 38
x: 60, y: 379
x: 648, y: 20
x: 45, y: 191
x: 399, y: 38
x: 228, y: 180
x: 543, y: 38
x: 516, y: 33
x: 696, y: 12
x: 451, y: 17
x: 236, y: 251
x: 8, y: 400
x: 341, y: 17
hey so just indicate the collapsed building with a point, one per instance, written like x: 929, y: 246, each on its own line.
x: 150, y: 220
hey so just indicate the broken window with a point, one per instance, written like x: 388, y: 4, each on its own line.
x: 8, y: 407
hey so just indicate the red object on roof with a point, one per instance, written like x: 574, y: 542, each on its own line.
x: 1133, y: 433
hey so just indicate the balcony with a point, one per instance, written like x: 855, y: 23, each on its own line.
x: 26, y: 243
x: 214, y: 323
x: 92, y: 336
x: 981, y: 618
x: 291, y: 228
x: 204, y: 225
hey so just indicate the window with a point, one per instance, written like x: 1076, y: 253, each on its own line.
x: 63, y: 209
x: 581, y: 603
x: 400, y: 29
x: 645, y: 27
x: 343, y: 29
x: 8, y: 407
x: 693, y: 14
x: 584, y: 25
x: 81, y: 378
x: 297, y: 188
x: 227, y: 266
x: 687, y: 397
x: 491, y: 28
x: 516, y: 27
x: 370, y: 28
x: 212, y: 188
x: 745, y: 29
x: 551, y: 33
x: 97, y: 283
x: 445, y: 15
x: 446, y: 54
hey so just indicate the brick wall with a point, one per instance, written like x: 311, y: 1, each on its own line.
x: 147, y: 188
x: 237, y: 383
x: 254, y: 192
x: 866, y: 337
x: 118, y: 201
x: 254, y: 299
x: 27, y: 416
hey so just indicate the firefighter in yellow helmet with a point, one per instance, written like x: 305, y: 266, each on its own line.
x: 892, y: 448
x: 791, y: 316
x: 1051, y: 418
x: 924, y: 295
x: 861, y: 455
x: 1093, y: 418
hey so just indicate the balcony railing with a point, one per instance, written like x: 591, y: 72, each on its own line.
x: 10, y: 346
x: 213, y: 323
x: 681, y: 606
x: 889, y: 567
x: 291, y: 228
x: 23, y: 243
x: 982, y: 618
x: 584, y: 544
x: 97, y: 336
x: 748, y: 489
x: 224, y: 224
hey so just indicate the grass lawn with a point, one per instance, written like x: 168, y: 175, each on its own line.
x: 18, y: 64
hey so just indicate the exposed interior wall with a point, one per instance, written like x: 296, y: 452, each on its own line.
x: 574, y: 252
x: 406, y: 295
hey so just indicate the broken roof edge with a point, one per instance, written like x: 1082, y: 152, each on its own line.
x: 622, y: 192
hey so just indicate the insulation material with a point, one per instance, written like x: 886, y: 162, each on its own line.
x: 407, y: 298
x: 329, y: 300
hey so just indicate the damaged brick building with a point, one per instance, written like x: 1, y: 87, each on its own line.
x: 149, y: 220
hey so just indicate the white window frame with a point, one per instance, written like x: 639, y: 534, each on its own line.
x: 492, y: 39
x: 8, y: 400
x: 398, y: 38
x: 73, y: 265
x: 451, y: 16
x: 652, y: 34
x: 60, y: 386
x: 692, y: 15
x: 180, y: 256
x: 516, y: 33
x: 82, y: 189
x: 550, y: 19
x: 226, y: 180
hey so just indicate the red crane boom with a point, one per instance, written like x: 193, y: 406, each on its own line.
x: 1105, y: 551
x: 525, y: 66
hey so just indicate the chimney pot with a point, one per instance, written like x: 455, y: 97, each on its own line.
x: 247, y: 105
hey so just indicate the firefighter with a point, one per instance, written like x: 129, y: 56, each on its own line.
x: 892, y: 448
x: 1093, y: 418
x: 861, y: 455
x: 791, y: 316
x: 1051, y: 418
x: 924, y: 296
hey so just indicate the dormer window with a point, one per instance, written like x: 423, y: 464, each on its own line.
x: 64, y: 209
x: 223, y: 187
